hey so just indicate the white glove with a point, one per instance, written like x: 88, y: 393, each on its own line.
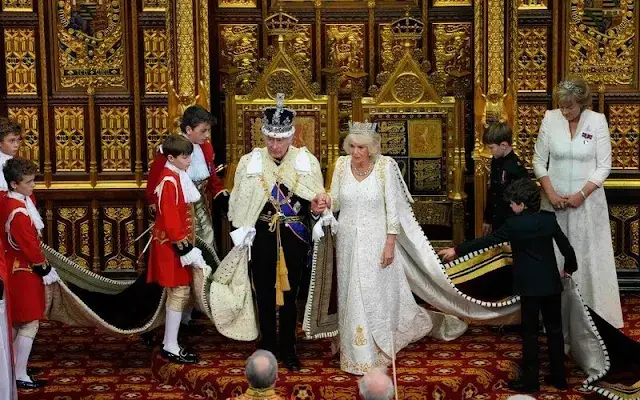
x: 327, y: 219
x: 51, y: 277
x: 193, y: 258
x: 243, y: 237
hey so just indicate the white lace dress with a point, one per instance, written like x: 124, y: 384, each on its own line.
x: 569, y: 164
x: 375, y: 304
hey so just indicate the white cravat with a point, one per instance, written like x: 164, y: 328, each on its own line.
x: 198, y: 170
x: 36, y: 219
x: 3, y: 160
x: 189, y: 190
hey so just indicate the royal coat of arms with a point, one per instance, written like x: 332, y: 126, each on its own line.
x: 90, y: 43
x: 601, y: 41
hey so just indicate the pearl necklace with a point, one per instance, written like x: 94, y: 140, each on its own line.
x: 361, y: 174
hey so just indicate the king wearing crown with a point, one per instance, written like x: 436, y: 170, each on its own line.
x: 278, y: 190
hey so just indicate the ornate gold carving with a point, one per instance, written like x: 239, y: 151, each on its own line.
x: 17, y: 5
x: 444, y: 3
x: 393, y: 135
x: 157, y: 129
x: 154, y: 5
x: 27, y: 117
x: 359, y: 338
x: 20, y: 61
x: 391, y: 49
x: 532, y: 4
x: 91, y: 43
x: 69, y: 138
x: 635, y: 238
x: 119, y: 246
x: 185, y: 47
x: 427, y: 176
x: 237, y: 3
x: 453, y: 48
x: 298, y: 46
x: 624, y: 235
x: 239, y: 49
x: 495, y: 47
x: 74, y: 220
x: 532, y: 59
x: 345, y: 49
x: 205, y: 58
x: 432, y: 213
x: 425, y: 138
x: 155, y: 61
x: 115, y: 138
x: 408, y: 88
x: 601, y: 43
x: 529, y: 118
x: 624, y: 124
x: 344, y: 112
x: 280, y: 82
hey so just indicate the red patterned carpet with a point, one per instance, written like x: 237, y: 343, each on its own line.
x: 83, y: 364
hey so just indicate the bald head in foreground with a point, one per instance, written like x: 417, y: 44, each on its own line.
x: 376, y: 385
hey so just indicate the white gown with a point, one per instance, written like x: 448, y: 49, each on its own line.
x: 375, y: 304
x: 569, y: 165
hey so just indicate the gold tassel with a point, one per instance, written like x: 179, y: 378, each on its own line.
x: 282, y: 278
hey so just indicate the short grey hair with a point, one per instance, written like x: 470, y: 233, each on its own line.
x: 261, y: 370
x: 371, y: 141
x: 576, y: 88
x: 376, y: 385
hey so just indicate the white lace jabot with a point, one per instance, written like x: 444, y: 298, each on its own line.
x: 189, y: 190
x: 36, y: 219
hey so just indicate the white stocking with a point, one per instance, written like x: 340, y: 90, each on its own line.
x: 171, y: 328
x: 22, y: 347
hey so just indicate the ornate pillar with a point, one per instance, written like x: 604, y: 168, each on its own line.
x: 495, y: 39
x: 189, y: 74
x: 332, y: 78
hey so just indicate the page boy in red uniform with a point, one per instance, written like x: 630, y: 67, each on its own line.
x: 172, y: 241
x: 29, y: 270
x: 196, y: 123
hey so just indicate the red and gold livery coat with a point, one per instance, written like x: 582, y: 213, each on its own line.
x: 22, y: 244
x: 174, y: 225
x: 214, y: 185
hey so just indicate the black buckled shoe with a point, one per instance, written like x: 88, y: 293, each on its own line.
x: 292, y: 363
x: 560, y: 384
x: 34, y: 384
x: 521, y: 386
x: 184, y: 357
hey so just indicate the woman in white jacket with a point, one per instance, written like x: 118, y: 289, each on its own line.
x: 572, y: 159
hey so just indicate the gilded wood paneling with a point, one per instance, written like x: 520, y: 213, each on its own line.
x: 624, y: 234
x: 601, y: 42
x: 345, y: 49
x: 90, y: 43
x: 154, y: 5
x: 532, y: 4
x: 239, y: 48
x: 529, y: 118
x: 20, y: 61
x: 299, y: 47
x: 73, y: 229
x: 119, y: 232
x: 452, y: 48
x: 115, y: 139
x: 27, y: 117
x: 69, y: 133
x: 391, y: 49
x: 17, y: 5
x: 624, y: 125
x: 156, y: 129
x: 532, y: 59
x: 237, y: 3
x: 445, y: 3
x: 155, y: 60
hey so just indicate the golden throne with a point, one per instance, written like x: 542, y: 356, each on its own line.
x: 316, y: 115
x: 423, y: 132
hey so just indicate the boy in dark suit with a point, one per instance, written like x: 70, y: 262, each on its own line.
x: 536, y: 279
x: 505, y: 168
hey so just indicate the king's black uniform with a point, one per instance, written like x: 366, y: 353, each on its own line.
x: 264, y: 264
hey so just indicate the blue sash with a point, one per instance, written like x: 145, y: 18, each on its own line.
x: 298, y: 228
